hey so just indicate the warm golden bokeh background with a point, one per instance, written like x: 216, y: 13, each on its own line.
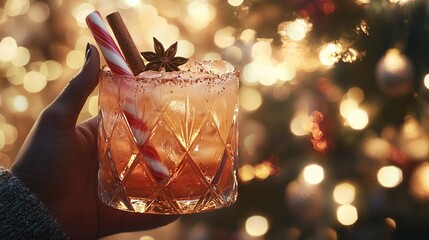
x: 334, y: 114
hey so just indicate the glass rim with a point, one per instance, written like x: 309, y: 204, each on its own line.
x: 205, y: 73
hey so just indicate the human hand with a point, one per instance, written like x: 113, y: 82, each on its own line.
x: 58, y: 162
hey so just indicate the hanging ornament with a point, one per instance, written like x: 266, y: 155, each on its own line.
x: 395, y: 74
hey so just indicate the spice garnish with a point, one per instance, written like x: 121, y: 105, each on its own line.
x: 161, y: 59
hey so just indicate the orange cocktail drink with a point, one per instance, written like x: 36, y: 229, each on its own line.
x: 168, y: 140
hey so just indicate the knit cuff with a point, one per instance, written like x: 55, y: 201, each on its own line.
x: 22, y: 214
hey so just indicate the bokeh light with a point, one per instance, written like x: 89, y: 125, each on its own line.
x: 250, y: 99
x: 15, y: 75
x: 81, y: 11
x: 426, y: 81
x: 356, y: 94
x: 347, y: 106
x: 20, y: 103
x: 261, y: 71
x: 256, y: 225
x: 347, y: 214
x: 10, y: 134
x: 285, y: 71
x: 34, y: 82
x: 248, y: 35
x: 224, y: 37
x: 21, y: 57
x: 146, y: 238
x: 395, y: 61
x: 344, y: 193
x: 313, y: 174
x: 200, y: 15
x: 295, y: 30
x: 8, y: 48
x: 14, y: 8
x: 246, y: 172
x: 377, y: 148
x: 358, y: 119
x: 185, y: 48
x: 300, y: 124
x: 93, y: 105
x: 330, y: 54
x: 389, y: 176
x: 235, y: 3
x: 51, y: 69
x: 39, y: 12
x: 262, y: 49
x: 75, y: 59
x: 419, y: 182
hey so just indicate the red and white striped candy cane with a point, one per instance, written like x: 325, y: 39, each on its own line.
x: 107, y: 45
x: 118, y: 65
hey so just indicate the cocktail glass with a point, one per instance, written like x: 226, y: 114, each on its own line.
x: 168, y: 140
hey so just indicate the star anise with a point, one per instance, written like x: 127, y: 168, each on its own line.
x: 161, y: 59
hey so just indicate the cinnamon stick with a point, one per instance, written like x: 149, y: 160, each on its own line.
x: 126, y: 43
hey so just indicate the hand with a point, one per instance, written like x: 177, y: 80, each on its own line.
x: 58, y: 162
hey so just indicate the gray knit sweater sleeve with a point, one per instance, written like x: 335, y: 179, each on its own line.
x: 22, y: 214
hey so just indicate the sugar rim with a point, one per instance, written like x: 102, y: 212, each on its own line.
x: 190, y: 73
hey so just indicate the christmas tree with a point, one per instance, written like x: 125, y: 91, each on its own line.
x: 334, y: 123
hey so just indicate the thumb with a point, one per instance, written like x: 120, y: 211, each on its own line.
x: 70, y: 101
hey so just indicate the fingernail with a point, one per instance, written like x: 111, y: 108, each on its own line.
x: 87, y: 52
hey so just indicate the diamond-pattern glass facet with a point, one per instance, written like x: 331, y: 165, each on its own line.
x: 122, y: 144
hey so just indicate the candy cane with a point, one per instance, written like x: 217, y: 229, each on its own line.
x: 107, y: 45
x: 118, y: 65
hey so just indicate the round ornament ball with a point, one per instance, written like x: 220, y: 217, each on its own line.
x: 395, y: 74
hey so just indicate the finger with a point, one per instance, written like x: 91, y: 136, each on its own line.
x: 70, y: 101
x: 90, y: 125
x: 88, y: 130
